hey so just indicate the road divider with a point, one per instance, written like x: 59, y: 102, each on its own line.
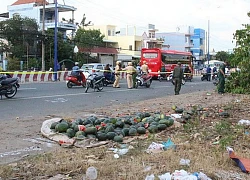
x: 46, y: 76
x: 42, y: 76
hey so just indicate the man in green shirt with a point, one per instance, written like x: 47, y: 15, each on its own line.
x: 177, y: 78
x: 221, y: 75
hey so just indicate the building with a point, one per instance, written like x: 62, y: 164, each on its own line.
x: 127, y: 46
x: 127, y: 41
x: 198, y: 49
x: 179, y: 40
x: 34, y: 9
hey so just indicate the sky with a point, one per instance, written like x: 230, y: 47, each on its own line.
x: 224, y: 16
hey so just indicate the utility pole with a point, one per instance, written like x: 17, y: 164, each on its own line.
x: 208, y: 55
x: 43, y: 45
x: 55, y: 43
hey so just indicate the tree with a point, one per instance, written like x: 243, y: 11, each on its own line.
x: 238, y: 82
x: 222, y: 56
x: 65, y: 49
x: 19, y: 32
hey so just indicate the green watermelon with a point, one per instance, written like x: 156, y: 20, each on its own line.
x: 141, y: 130
x: 118, y: 139
x: 110, y: 135
x: 101, y: 136
x: 70, y: 132
x: 53, y: 125
x: 61, y: 127
x: 90, y: 130
x: 132, y: 132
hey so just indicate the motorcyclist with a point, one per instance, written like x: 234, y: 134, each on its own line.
x: 144, y: 68
x: 108, y: 73
x: 187, y: 72
x: 76, y: 72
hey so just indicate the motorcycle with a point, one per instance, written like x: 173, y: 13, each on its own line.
x: 7, y: 75
x: 204, y: 77
x: 94, y: 81
x: 109, y: 80
x: 162, y: 76
x: 173, y: 82
x: 8, y: 87
x: 215, y: 76
x: 73, y: 80
x: 143, y: 80
x: 187, y: 77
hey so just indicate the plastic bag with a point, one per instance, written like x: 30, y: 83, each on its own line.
x: 169, y: 144
x: 183, y: 175
x: 150, y: 177
x: 166, y: 176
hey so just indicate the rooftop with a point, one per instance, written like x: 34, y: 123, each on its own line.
x: 18, y: 2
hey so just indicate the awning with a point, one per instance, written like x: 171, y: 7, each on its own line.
x: 99, y: 50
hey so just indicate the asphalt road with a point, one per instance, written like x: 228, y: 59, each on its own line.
x: 54, y: 98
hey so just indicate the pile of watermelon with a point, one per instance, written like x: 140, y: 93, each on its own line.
x: 110, y: 128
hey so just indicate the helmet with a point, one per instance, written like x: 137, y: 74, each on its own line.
x: 76, y: 63
x: 118, y: 62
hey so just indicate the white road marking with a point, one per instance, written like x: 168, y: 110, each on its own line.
x: 26, y: 89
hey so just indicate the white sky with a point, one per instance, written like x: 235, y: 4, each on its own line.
x: 226, y: 16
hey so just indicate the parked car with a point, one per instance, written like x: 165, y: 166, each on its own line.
x: 92, y: 68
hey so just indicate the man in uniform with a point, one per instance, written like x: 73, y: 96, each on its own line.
x: 134, y: 74
x: 177, y: 78
x: 117, y: 74
x: 144, y: 68
x: 130, y: 70
x: 221, y: 75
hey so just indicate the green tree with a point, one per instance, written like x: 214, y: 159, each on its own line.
x: 19, y: 32
x: 222, y: 56
x: 88, y: 39
x: 238, y: 82
x: 65, y: 48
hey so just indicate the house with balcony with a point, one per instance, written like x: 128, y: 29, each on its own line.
x: 34, y: 9
x: 149, y: 38
x: 179, y: 40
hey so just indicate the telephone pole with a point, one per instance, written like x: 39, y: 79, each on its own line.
x: 208, y: 55
x: 43, y: 33
x: 55, y: 43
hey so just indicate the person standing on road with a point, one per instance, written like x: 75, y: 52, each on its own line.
x: 209, y: 73
x: 117, y: 74
x: 144, y: 68
x: 130, y: 70
x: 221, y: 75
x: 134, y: 74
x: 177, y: 78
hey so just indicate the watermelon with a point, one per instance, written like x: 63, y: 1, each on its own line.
x: 61, y: 127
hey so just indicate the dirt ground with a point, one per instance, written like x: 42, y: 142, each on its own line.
x: 25, y: 139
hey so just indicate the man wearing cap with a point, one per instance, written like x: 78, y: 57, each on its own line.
x: 177, y: 78
x: 117, y: 74
x: 144, y: 68
x: 130, y: 70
